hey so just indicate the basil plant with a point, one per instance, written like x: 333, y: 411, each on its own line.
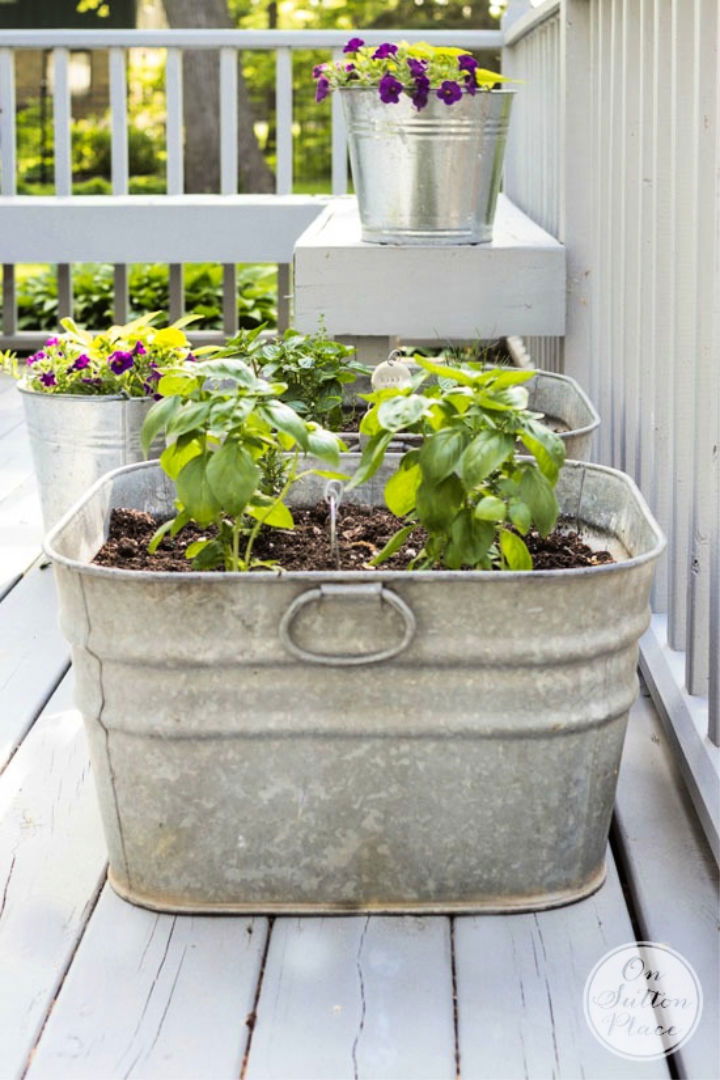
x: 469, y: 485
x: 234, y: 451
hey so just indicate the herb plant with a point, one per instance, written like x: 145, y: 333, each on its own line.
x: 468, y: 485
x: 416, y: 71
x: 313, y: 367
x: 122, y: 360
x: 234, y: 452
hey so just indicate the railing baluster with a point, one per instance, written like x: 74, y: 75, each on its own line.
x: 8, y: 185
x: 228, y: 121
x: 120, y: 166
x: 175, y: 164
x: 339, y: 144
x: 7, y: 122
x: 229, y: 171
x: 283, y: 121
x: 63, y: 161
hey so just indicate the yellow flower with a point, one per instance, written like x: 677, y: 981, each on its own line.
x: 170, y: 338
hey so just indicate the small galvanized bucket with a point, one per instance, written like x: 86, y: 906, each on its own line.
x: 342, y: 741
x: 430, y: 176
x: 75, y: 439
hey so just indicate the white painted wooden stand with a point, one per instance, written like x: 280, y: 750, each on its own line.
x: 514, y: 285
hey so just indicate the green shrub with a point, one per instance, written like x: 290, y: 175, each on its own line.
x: 149, y: 291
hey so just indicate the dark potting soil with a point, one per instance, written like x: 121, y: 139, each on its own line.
x: 361, y: 532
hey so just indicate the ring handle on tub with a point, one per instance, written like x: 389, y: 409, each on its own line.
x: 347, y: 592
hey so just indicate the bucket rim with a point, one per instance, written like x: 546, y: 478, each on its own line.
x: 82, y: 397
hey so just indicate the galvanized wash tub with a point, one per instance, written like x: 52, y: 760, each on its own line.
x: 339, y: 741
x: 558, y: 397
x: 430, y: 176
x: 75, y: 439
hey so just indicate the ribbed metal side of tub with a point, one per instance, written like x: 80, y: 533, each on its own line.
x: 253, y: 753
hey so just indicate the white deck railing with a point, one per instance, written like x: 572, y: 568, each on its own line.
x: 228, y: 43
x: 616, y: 145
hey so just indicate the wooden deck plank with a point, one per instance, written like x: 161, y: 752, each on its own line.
x: 20, y: 532
x: 52, y: 863
x: 361, y: 996
x: 154, y: 996
x: 520, y: 982
x: 671, y: 872
x: 33, y: 656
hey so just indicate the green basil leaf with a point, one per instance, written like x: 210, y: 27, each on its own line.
x: 400, y: 490
x: 156, y: 421
x: 232, y: 476
x: 324, y: 444
x: 490, y: 508
x: 484, y: 455
x: 441, y: 453
x: 285, y: 419
x: 195, y: 492
x: 547, y: 448
x: 515, y: 552
x: 470, y: 541
x: 278, y: 516
x: 371, y: 458
x: 400, y: 413
x: 520, y: 515
x: 394, y: 544
x: 437, y: 504
x: 537, y: 492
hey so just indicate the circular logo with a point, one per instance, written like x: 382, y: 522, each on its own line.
x: 643, y: 1000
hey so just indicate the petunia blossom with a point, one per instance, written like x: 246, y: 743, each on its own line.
x: 322, y: 90
x: 390, y: 89
x: 419, y: 96
x: 139, y: 349
x: 384, y: 51
x: 120, y: 362
x: 353, y: 45
x: 82, y: 362
x: 449, y: 92
x: 48, y: 378
x: 467, y: 63
x: 417, y: 67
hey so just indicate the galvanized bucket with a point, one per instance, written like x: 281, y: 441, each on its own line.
x: 339, y: 741
x: 558, y: 397
x: 430, y: 176
x: 76, y: 439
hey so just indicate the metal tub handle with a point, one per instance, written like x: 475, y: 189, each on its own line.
x: 346, y: 592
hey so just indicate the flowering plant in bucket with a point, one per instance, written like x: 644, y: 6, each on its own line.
x: 416, y: 71
x: 121, y: 360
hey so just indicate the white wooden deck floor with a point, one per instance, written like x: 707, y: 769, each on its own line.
x: 91, y: 987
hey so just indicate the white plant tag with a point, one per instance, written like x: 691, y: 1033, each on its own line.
x: 391, y: 375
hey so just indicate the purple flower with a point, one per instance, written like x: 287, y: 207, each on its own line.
x: 467, y: 63
x: 92, y: 382
x: 384, y: 51
x: 191, y: 357
x: 35, y: 357
x: 81, y: 362
x: 390, y: 89
x: 120, y: 362
x: 318, y: 70
x: 48, y: 379
x: 449, y: 92
x: 353, y: 45
x: 417, y: 67
x: 419, y: 96
x: 323, y: 89
x: 52, y: 341
x: 470, y: 85
x: 139, y: 349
